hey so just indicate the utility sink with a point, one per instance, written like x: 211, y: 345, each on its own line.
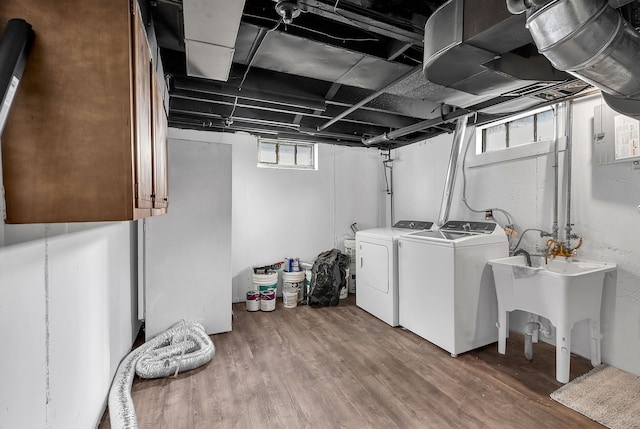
x: 564, y: 291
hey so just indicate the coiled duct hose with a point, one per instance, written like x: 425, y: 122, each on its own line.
x: 182, y: 347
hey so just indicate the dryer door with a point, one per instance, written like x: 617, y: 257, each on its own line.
x: 373, y: 266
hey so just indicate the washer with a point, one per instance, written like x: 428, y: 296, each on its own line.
x: 446, y: 289
x: 377, y: 268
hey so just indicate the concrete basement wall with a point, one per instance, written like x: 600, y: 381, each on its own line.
x: 604, y: 210
x: 296, y: 213
x: 67, y: 317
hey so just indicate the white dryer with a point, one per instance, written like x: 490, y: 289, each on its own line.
x: 447, y: 293
x: 376, y: 268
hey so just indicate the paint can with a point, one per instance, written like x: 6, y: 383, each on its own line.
x: 294, y: 280
x: 291, y: 265
x: 253, y: 300
x: 268, y: 281
x: 268, y: 300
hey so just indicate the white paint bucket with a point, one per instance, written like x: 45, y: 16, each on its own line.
x: 290, y: 297
x: 293, y: 279
x: 344, y: 291
x: 268, y: 300
x: 253, y: 300
x: 268, y: 281
x: 350, y: 249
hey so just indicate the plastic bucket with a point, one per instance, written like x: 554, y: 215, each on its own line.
x: 352, y: 281
x: 307, y: 284
x: 253, y: 300
x: 294, y: 279
x: 267, y: 281
x: 268, y: 300
x: 350, y: 249
x: 290, y: 297
x: 344, y: 291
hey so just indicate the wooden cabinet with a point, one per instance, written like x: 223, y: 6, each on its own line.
x: 86, y: 137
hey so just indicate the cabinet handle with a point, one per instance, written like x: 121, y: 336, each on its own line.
x: 361, y: 262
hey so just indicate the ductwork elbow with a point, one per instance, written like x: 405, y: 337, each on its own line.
x: 590, y: 40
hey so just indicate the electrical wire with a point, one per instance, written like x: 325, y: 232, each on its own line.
x: 348, y: 39
x: 464, y: 190
x: 255, y: 54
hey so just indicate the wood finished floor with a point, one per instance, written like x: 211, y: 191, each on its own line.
x: 339, y: 367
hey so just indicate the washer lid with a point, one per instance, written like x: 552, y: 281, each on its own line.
x: 461, y: 233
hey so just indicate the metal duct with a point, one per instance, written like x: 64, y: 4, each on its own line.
x: 591, y: 40
x: 210, y: 31
x: 15, y: 46
x: 456, y: 147
x: 182, y: 347
x: 482, y: 49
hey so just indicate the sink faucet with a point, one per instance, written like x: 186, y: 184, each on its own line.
x: 526, y: 254
x: 556, y: 248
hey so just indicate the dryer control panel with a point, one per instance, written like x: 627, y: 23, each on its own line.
x: 413, y: 224
x: 469, y: 226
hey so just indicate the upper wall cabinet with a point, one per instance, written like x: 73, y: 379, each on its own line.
x: 86, y: 138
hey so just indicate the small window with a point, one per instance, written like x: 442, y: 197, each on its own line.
x: 528, y: 128
x: 287, y: 154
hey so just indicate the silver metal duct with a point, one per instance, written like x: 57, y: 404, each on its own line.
x: 182, y: 347
x: 458, y: 142
x: 591, y: 40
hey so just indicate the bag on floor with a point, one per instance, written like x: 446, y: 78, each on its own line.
x: 328, y: 276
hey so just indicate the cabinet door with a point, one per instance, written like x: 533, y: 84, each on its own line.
x: 160, y: 186
x: 142, y: 114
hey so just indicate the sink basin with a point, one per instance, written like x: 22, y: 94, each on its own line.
x: 564, y: 291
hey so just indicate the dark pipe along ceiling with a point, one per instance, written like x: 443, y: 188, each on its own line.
x: 295, y: 80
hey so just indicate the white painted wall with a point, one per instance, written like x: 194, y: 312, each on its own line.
x: 188, y: 250
x: 294, y: 213
x: 67, y: 317
x: 604, y: 211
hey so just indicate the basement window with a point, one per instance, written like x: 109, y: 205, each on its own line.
x: 528, y: 128
x: 289, y: 154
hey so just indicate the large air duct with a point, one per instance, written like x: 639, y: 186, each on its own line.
x: 592, y: 41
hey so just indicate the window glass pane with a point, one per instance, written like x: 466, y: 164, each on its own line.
x: 545, y: 125
x: 267, y: 153
x: 304, y: 157
x: 521, y: 131
x: 495, y: 137
x: 287, y: 154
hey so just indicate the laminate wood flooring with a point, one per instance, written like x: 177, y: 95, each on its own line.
x: 340, y: 367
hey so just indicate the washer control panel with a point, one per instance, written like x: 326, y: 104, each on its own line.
x: 413, y: 224
x: 469, y: 226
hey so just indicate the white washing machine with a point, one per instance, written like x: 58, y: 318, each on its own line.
x: 447, y: 293
x: 377, y: 268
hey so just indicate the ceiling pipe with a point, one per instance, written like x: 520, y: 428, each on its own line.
x: 476, y: 108
x: 370, y: 97
x: 419, y: 126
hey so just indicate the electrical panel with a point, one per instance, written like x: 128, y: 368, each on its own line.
x: 616, y: 137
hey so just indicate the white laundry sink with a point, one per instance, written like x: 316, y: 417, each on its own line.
x: 564, y: 291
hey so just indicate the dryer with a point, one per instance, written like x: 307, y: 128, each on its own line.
x: 447, y: 293
x: 376, y: 268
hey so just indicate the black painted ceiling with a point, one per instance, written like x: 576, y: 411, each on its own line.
x: 291, y: 80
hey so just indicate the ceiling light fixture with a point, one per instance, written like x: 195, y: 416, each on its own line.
x: 288, y: 10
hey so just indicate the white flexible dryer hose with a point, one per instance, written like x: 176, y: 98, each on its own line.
x: 182, y: 347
